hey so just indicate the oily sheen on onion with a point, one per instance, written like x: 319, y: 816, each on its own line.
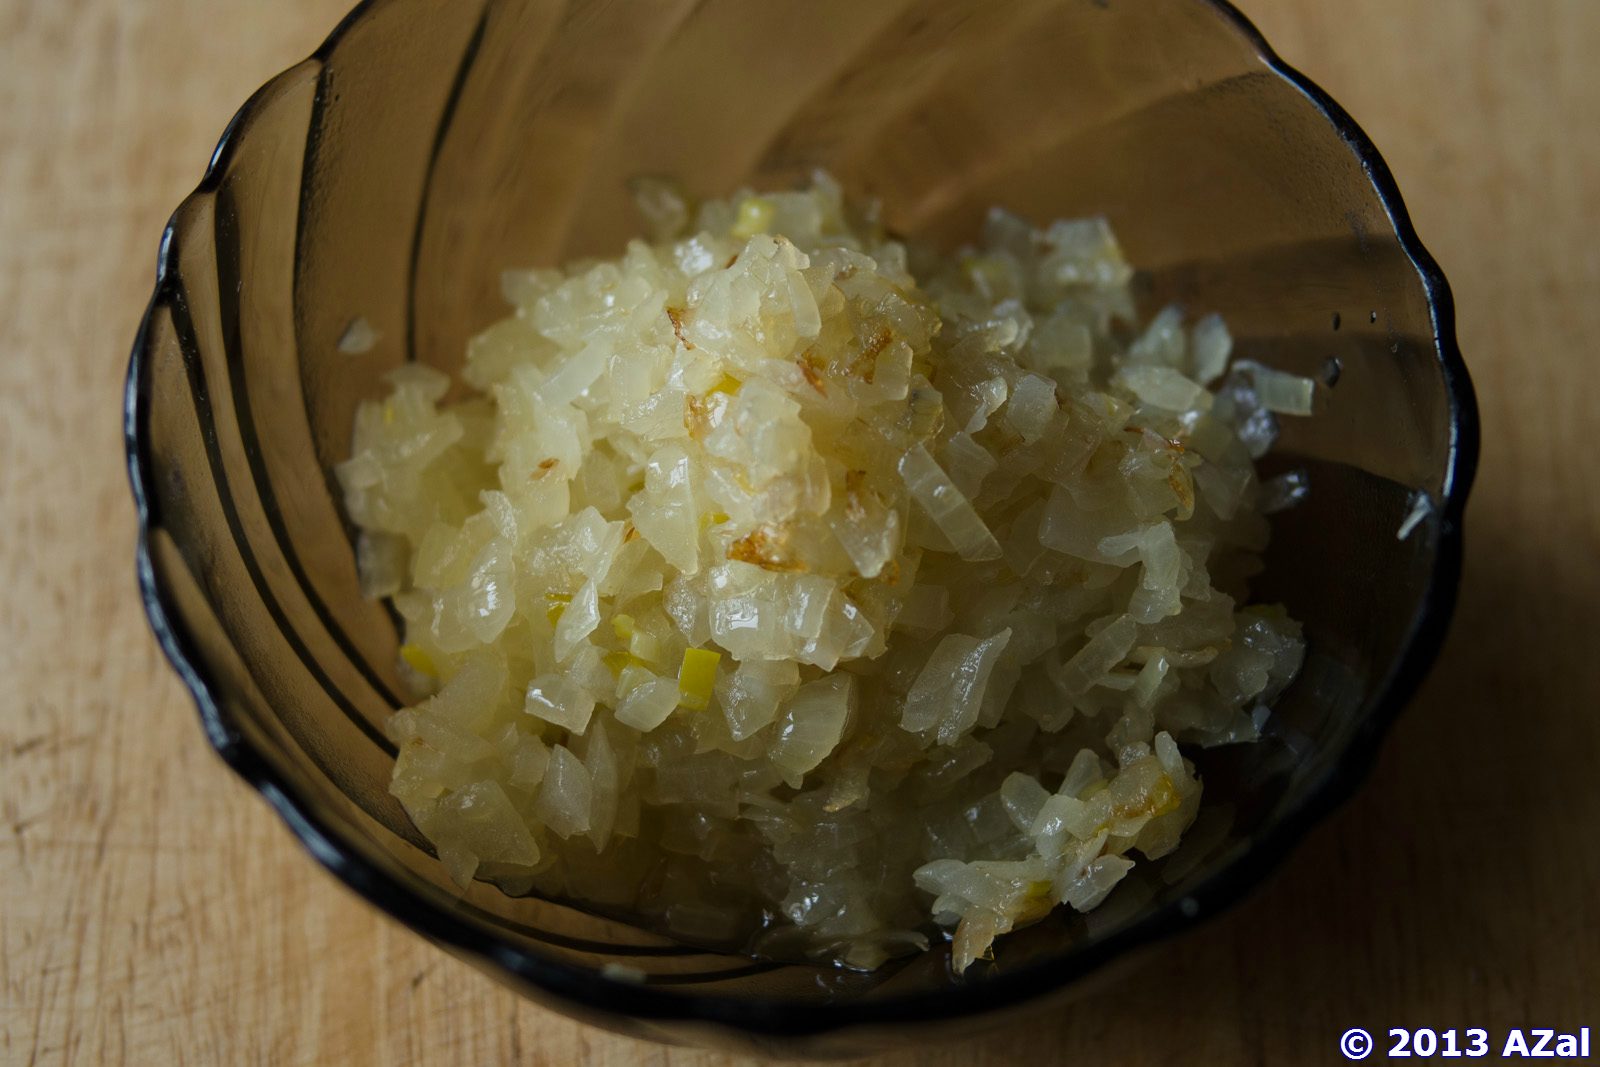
x: 791, y: 590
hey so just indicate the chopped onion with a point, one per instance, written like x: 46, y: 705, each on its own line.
x: 753, y: 693
x: 566, y: 796
x: 647, y: 705
x: 1210, y: 345
x: 482, y: 820
x: 1089, y: 666
x: 812, y: 725
x: 1032, y: 406
x: 555, y: 699
x: 577, y: 622
x: 948, y: 693
x: 664, y: 514
x: 952, y: 512
x: 1285, y: 394
x: 1162, y: 387
x: 753, y: 574
x: 1162, y: 344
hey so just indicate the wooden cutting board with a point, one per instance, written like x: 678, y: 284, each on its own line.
x: 153, y: 911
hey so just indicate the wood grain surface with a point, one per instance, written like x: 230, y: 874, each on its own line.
x: 153, y: 911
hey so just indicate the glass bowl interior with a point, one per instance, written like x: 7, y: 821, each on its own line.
x: 428, y: 146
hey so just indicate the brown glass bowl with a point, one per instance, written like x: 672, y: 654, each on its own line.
x: 428, y: 145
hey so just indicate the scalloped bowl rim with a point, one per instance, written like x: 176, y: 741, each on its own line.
x: 589, y: 989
